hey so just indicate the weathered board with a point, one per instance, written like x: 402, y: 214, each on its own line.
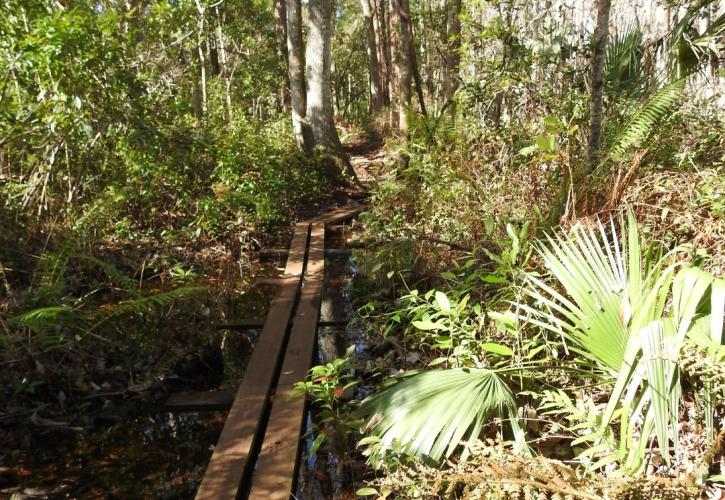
x: 233, y: 455
x: 200, y: 401
x: 274, y: 475
x: 339, y: 215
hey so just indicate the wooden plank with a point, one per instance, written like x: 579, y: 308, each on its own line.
x: 275, y: 280
x: 274, y: 476
x: 200, y: 401
x: 337, y: 216
x: 282, y: 252
x: 232, y: 458
x: 255, y: 324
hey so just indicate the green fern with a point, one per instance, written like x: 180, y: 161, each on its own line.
x: 45, y: 319
x: 143, y: 305
x: 129, y: 285
x: 49, y: 276
x: 659, y: 107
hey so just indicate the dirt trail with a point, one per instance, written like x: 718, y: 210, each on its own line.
x: 368, y: 157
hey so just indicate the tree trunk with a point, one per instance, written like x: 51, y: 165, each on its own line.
x: 601, y: 33
x: 405, y: 65
x: 453, y: 55
x: 382, y: 34
x: 319, y: 97
x: 202, y: 60
x: 280, y: 24
x: 224, y: 66
x: 394, y: 37
x: 296, y: 65
x: 376, y: 91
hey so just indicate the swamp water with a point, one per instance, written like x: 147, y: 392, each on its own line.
x: 136, y: 449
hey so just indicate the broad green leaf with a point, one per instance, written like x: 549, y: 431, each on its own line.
x: 443, y: 302
x: 428, y: 325
x: 497, y: 348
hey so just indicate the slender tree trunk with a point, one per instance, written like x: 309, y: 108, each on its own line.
x: 280, y: 24
x: 385, y: 36
x: 381, y: 37
x: 453, y: 54
x: 394, y: 37
x: 224, y: 66
x: 319, y: 97
x: 601, y: 33
x: 376, y: 90
x: 405, y: 65
x: 296, y: 64
x: 202, y: 60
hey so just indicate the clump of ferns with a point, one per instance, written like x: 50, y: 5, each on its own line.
x: 55, y: 314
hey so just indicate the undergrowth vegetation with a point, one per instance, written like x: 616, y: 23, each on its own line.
x: 539, y: 266
x: 525, y: 304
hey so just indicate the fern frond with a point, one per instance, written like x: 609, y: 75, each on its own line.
x: 645, y: 120
x: 48, y: 277
x: 44, y: 319
x: 116, y: 276
x: 143, y: 305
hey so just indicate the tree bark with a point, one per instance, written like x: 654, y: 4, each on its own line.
x: 453, y: 55
x: 280, y: 24
x: 394, y: 37
x: 296, y: 65
x: 319, y: 97
x: 405, y: 65
x: 382, y: 35
x: 224, y: 65
x: 202, y: 61
x: 601, y: 33
x: 376, y: 91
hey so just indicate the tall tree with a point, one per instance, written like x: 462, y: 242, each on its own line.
x: 280, y: 24
x: 382, y: 34
x: 453, y: 54
x: 394, y: 48
x: 601, y: 33
x: 319, y: 96
x: 376, y: 86
x: 405, y: 64
x: 296, y: 65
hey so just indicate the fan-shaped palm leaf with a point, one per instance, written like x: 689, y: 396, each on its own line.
x: 612, y: 310
x: 429, y: 413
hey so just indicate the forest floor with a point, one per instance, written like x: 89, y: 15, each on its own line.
x: 368, y: 156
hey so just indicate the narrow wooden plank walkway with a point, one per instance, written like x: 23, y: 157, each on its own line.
x: 275, y: 472
x: 232, y: 458
x: 258, y: 421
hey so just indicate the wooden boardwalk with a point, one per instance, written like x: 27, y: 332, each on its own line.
x: 258, y: 450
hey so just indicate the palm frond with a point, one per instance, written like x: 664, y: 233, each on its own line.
x: 430, y: 413
x: 623, y: 64
x: 612, y: 309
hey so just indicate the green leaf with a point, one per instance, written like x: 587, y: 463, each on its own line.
x: 430, y: 413
x: 443, y: 302
x: 319, y: 440
x: 363, y: 492
x: 529, y: 150
x: 428, y: 325
x: 497, y: 348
